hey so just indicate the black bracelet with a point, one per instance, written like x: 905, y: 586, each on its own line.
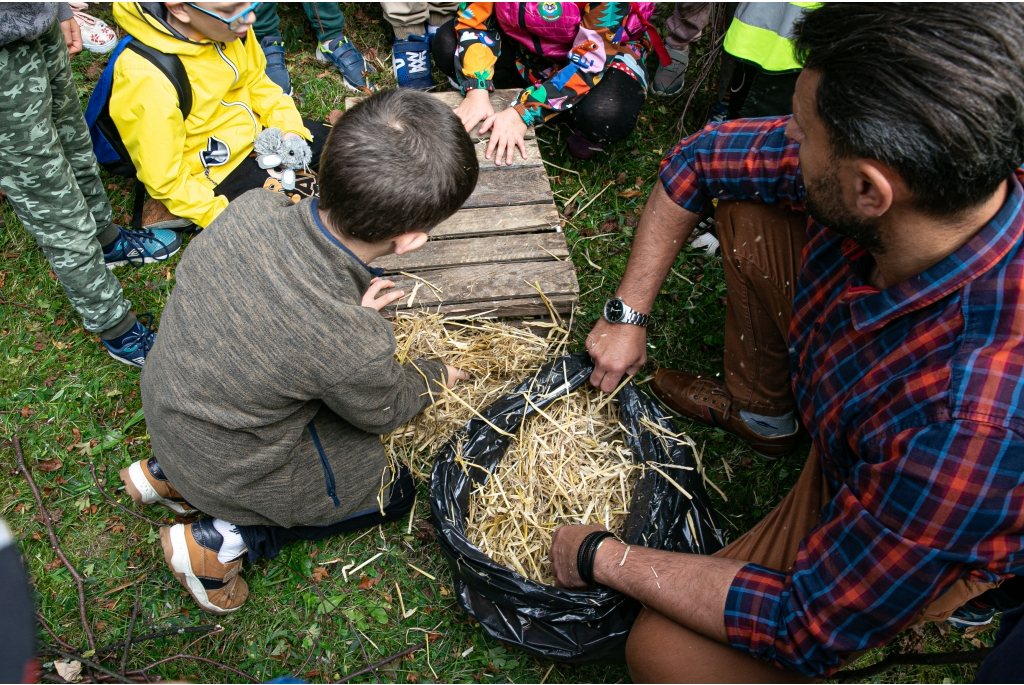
x: 588, y: 552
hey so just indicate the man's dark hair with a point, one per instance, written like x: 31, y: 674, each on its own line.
x: 936, y: 91
x: 397, y: 162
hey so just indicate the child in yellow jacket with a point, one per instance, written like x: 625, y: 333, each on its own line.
x: 192, y: 167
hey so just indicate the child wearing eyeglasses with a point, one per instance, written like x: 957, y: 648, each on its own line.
x: 193, y: 166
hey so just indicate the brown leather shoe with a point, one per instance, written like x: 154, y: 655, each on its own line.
x: 145, y: 483
x: 155, y: 215
x: 191, y: 552
x: 704, y: 399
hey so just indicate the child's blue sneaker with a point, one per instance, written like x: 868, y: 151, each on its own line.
x: 350, y: 62
x: 132, y: 347
x: 411, y: 60
x: 277, y: 70
x: 141, y: 247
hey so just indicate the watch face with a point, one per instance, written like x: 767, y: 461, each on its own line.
x: 613, y: 310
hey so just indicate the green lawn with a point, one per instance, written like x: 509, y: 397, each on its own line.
x: 66, y: 398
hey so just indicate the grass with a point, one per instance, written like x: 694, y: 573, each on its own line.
x: 62, y: 394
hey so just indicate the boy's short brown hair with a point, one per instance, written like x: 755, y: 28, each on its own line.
x: 399, y: 161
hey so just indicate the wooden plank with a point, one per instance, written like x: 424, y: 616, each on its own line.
x: 442, y: 254
x: 490, y: 282
x: 533, y: 157
x: 503, y: 220
x: 514, y: 186
x: 497, y: 309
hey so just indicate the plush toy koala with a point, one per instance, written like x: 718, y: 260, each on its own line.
x: 281, y: 156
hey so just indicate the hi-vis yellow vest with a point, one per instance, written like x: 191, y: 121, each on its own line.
x: 762, y: 33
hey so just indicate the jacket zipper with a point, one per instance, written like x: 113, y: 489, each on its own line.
x: 328, y: 473
x: 234, y: 70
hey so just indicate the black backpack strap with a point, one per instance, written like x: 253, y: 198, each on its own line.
x: 172, y: 68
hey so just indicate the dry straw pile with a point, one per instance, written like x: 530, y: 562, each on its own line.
x: 568, y: 464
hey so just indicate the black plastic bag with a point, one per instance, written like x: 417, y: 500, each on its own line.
x: 569, y: 626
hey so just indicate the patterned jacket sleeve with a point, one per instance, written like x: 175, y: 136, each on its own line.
x: 601, y: 43
x: 920, y: 510
x: 479, y: 45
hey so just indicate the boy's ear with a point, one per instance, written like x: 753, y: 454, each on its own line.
x: 407, y: 242
x: 179, y: 11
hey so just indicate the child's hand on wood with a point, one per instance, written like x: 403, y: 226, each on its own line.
x: 508, y: 131
x: 475, y: 107
x: 371, y: 300
x: 454, y: 375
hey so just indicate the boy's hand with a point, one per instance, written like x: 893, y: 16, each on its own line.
x: 476, y: 107
x: 72, y: 35
x: 454, y: 375
x: 371, y: 300
x: 508, y: 131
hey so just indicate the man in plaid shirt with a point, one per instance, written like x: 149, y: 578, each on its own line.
x: 873, y: 247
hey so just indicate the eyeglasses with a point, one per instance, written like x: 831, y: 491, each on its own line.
x: 234, y: 23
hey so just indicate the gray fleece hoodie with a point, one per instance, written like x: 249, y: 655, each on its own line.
x: 28, y: 20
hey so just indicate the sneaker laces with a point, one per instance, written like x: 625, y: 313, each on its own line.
x: 416, y: 62
x: 143, y: 339
x: 135, y: 239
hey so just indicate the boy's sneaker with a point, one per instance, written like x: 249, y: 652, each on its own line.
x: 132, y: 347
x: 156, y: 216
x: 146, y: 483
x: 350, y: 62
x: 973, y: 613
x: 277, y: 70
x: 668, y: 80
x: 191, y: 552
x: 141, y: 247
x: 411, y: 60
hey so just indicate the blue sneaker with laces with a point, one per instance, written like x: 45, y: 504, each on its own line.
x: 277, y: 70
x: 141, y: 247
x: 411, y: 60
x: 973, y: 613
x: 132, y: 347
x: 350, y: 62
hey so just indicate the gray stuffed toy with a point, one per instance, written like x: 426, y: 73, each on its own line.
x: 281, y: 156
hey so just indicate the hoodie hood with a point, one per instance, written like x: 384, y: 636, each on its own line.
x: 146, y: 22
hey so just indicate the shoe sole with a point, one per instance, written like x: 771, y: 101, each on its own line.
x: 145, y: 260
x: 172, y: 541
x: 139, y: 489
x: 123, y: 360
x: 962, y: 623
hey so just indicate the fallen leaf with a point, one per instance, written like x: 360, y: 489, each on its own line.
x: 77, y: 434
x: 319, y: 573
x: 367, y: 582
x: 444, y: 591
x: 325, y: 72
x: 49, y: 464
x: 93, y: 71
x: 491, y: 668
x: 52, y: 565
x: 412, y: 677
x: 26, y: 412
x: 971, y: 631
x: 371, y: 54
x: 621, y: 178
x: 39, y: 346
x: 630, y: 193
x: 70, y: 671
x: 570, y: 209
x: 609, y: 226
x: 49, y: 381
x: 638, y: 182
x: 745, y: 462
x: 101, y: 625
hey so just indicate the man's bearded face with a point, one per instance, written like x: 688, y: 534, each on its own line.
x: 825, y: 203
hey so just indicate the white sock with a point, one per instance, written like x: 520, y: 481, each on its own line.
x: 769, y: 426
x: 233, y: 546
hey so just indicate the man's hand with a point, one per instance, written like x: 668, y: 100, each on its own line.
x: 474, y: 108
x: 617, y: 349
x: 72, y: 35
x: 454, y: 375
x: 565, y: 545
x: 508, y: 131
x: 371, y: 300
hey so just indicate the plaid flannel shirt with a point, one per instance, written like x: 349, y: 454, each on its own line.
x: 912, y: 396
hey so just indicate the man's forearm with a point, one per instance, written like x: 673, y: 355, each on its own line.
x: 690, y: 589
x: 664, y: 228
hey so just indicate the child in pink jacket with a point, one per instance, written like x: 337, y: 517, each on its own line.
x: 581, y: 60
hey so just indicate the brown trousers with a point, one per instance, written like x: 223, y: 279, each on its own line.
x: 761, y: 248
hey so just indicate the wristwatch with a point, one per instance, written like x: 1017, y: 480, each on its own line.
x: 617, y: 311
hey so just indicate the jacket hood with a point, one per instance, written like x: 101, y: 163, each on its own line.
x: 145, y: 22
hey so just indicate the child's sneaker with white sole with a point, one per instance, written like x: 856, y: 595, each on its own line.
x: 145, y: 483
x: 206, y: 557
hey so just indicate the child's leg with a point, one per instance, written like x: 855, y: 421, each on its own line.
x: 607, y: 114
x: 41, y: 181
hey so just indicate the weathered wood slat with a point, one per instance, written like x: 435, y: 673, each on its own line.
x: 496, y: 309
x: 498, y: 220
x: 484, y: 282
x: 532, y: 156
x: 442, y: 254
x: 523, y: 186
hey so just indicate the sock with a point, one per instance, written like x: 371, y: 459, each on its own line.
x: 770, y: 426
x: 403, y: 32
x: 117, y: 330
x: 109, y: 236
x: 431, y: 30
x: 233, y: 546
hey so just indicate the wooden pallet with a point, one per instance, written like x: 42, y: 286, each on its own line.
x: 497, y: 254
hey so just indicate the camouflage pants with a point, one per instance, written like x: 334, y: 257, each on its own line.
x: 51, y: 177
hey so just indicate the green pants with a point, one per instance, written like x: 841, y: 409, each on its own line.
x: 52, y: 179
x: 325, y: 18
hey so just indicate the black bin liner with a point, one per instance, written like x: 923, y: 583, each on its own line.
x: 567, y: 626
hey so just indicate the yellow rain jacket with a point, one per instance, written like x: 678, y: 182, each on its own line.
x: 181, y: 162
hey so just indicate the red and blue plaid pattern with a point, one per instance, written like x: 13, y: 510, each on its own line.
x: 913, y: 397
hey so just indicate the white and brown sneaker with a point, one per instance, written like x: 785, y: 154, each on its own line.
x: 155, y: 215
x: 192, y: 551
x: 146, y: 483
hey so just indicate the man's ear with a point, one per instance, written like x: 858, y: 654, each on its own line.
x: 407, y: 242
x: 179, y: 11
x: 876, y: 188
